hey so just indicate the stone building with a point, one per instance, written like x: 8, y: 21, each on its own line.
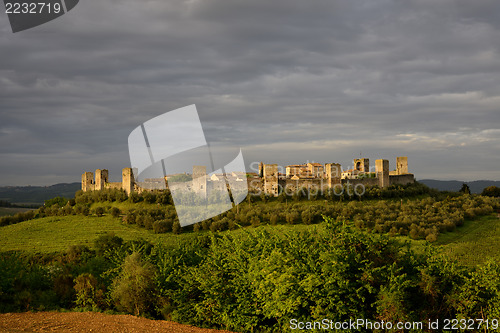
x: 314, y: 176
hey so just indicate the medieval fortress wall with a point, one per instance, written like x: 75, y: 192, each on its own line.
x: 310, y: 176
x: 100, y: 182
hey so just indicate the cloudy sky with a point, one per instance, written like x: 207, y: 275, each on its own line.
x: 287, y: 81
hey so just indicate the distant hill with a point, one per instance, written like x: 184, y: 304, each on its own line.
x: 476, y: 186
x: 37, y: 194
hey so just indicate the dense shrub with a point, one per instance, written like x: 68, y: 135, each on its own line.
x: 18, y: 217
x: 89, y: 293
x: 99, y: 211
x: 107, y: 242
x: 257, y: 280
x: 176, y: 228
x: 163, y: 226
x: 130, y: 218
x: 59, y: 201
x: 24, y: 284
x: 491, y: 191
x: 64, y: 289
x: 115, y: 212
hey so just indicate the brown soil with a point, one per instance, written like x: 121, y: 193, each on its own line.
x: 89, y: 322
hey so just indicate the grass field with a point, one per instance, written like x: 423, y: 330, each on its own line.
x: 470, y: 244
x: 474, y: 242
x: 58, y: 233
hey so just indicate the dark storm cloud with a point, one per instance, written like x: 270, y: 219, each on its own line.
x: 287, y: 81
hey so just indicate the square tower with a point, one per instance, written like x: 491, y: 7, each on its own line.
x: 87, y: 181
x: 101, y: 178
x: 261, y: 169
x: 127, y: 180
x: 402, y: 165
x: 382, y: 169
x: 271, y: 179
x: 333, y: 172
x: 200, y: 180
x: 362, y: 165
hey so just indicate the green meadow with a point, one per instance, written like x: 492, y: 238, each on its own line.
x: 474, y: 242
x: 58, y: 233
x: 470, y: 244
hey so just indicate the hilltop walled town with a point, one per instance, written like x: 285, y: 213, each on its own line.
x: 269, y: 179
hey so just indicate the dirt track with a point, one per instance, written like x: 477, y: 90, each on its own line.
x: 89, y: 322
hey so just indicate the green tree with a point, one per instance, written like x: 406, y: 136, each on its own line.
x: 60, y: 201
x: 134, y: 289
x: 465, y: 189
x: 491, y: 191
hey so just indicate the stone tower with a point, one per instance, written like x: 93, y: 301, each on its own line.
x: 362, y: 165
x: 402, y: 165
x: 200, y: 180
x: 382, y: 169
x: 127, y: 180
x: 101, y: 178
x: 261, y: 169
x: 271, y: 179
x: 87, y: 181
x: 333, y: 173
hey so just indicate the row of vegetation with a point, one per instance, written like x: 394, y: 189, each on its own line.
x: 8, y: 204
x: 418, y: 218
x: 254, y: 280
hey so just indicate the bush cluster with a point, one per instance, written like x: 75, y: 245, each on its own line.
x: 115, y: 195
x: 491, y: 191
x: 420, y: 219
x: 160, y: 220
x: 254, y: 281
x: 16, y: 218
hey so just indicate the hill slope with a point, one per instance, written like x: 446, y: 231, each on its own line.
x: 476, y: 186
x: 58, y: 233
x: 37, y: 194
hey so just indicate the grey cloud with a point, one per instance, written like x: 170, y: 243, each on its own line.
x: 288, y: 81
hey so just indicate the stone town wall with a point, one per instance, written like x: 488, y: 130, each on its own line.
x: 363, y: 181
x: 402, y: 179
x: 290, y: 186
x: 113, y: 185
